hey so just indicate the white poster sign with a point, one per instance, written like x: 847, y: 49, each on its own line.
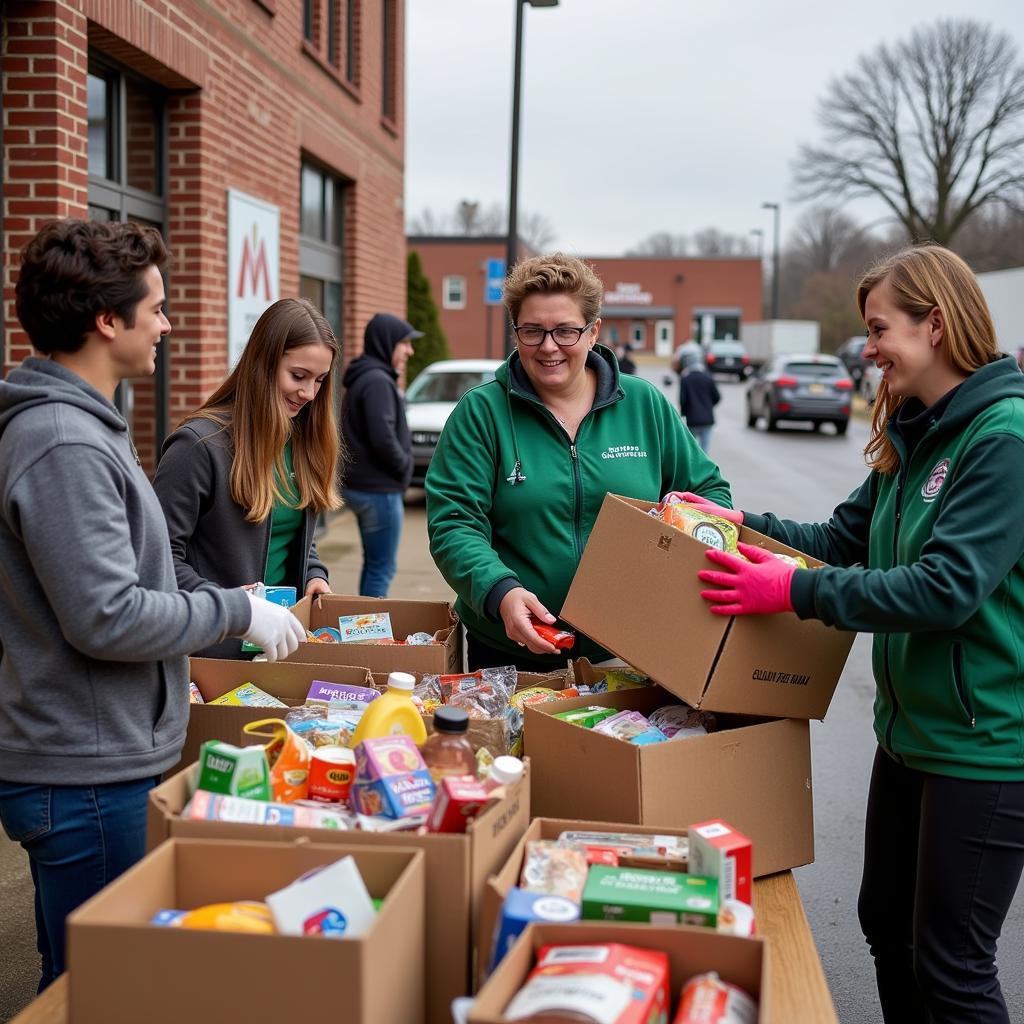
x: 254, y: 242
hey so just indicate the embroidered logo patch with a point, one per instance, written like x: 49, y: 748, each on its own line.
x: 936, y: 478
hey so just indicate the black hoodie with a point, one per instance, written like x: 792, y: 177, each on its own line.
x: 373, y: 423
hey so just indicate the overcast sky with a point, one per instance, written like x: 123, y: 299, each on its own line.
x: 638, y: 115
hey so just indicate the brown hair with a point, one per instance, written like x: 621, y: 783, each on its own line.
x: 74, y: 270
x: 249, y: 404
x: 554, y: 274
x: 922, y: 278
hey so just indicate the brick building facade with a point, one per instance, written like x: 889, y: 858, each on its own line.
x: 157, y: 111
x: 652, y: 303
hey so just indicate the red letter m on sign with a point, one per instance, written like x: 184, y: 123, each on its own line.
x: 253, y: 269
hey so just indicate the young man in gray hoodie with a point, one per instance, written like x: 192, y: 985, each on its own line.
x: 94, y: 632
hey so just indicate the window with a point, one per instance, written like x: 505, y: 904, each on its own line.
x: 330, y: 36
x: 389, y: 63
x: 453, y: 293
x: 637, y: 335
x: 320, y: 242
x: 332, y: 32
x: 613, y: 334
x: 309, y: 20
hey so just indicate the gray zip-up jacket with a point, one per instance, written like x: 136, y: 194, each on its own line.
x: 93, y: 628
x: 211, y: 541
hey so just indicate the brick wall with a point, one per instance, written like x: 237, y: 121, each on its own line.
x: 247, y: 98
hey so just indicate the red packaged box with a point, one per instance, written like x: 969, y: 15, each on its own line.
x: 458, y: 800
x: 604, y: 981
x: 717, y: 850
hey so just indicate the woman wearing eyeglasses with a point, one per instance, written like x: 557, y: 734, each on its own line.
x: 525, y: 461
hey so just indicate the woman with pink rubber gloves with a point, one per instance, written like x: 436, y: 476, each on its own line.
x: 927, y: 555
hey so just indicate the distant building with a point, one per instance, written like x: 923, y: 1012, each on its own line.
x: 652, y: 303
x: 1004, y: 293
x: 265, y: 138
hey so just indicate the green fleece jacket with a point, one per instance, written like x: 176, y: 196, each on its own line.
x: 942, y: 540
x: 511, y: 500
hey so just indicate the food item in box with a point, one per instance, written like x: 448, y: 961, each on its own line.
x: 606, y: 982
x: 706, y: 999
x: 242, y: 916
x: 287, y: 755
x: 680, y: 721
x: 519, y: 700
x: 426, y: 694
x: 717, y: 850
x: 332, y: 771
x: 561, y: 639
x: 248, y: 695
x: 708, y: 529
x: 420, y: 639
x: 391, y: 779
x: 323, y: 726
x: 393, y: 712
x: 554, y: 868
x: 367, y: 626
x: 797, y: 561
x: 519, y: 909
x: 194, y: 694
x: 457, y: 802
x: 234, y: 771
x: 331, y: 901
x: 736, y: 918
x: 634, y: 850
x: 586, y: 717
x: 651, y: 897
x: 341, y: 695
x: 323, y: 635
x: 632, y: 727
x: 215, y: 807
x: 624, y: 679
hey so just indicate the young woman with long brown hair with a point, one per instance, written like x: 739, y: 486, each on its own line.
x: 928, y: 555
x: 244, y: 477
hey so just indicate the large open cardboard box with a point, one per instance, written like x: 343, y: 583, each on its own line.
x: 457, y: 868
x: 508, y: 875
x: 286, y: 681
x: 754, y: 773
x: 434, y: 617
x: 124, y: 970
x: 636, y: 593
x: 691, y: 951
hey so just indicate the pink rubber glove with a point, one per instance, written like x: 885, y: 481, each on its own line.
x: 759, y: 586
x: 734, y: 515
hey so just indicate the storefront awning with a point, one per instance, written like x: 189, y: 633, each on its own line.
x: 638, y: 312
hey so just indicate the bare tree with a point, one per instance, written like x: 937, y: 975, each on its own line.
x: 714, y: 242
x: 933, y: 126
x: 661, y: 243
x: 825, y: 238
x: 470, y: 217
x: 536, y: 231
x: 426, y: 222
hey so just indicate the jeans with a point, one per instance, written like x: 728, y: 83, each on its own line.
x: 702, y: 435
x: 78, y: 839
x: 942, y: 860
x: 380, y: 527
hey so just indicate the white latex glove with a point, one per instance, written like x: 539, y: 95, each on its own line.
x: 274, y: 628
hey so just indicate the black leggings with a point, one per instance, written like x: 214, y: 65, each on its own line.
x: 942, y: 859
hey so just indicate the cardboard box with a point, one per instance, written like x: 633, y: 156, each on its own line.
x: 434, y: 617
x: 691, y: 951
x: 457, y: 868
x: 507, y: 876
x: 123, y: 969
x: 636, y: 593
x: 753, y: 773
x: 288, y: 682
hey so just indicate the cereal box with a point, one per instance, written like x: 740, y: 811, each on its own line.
x: 391, y: 779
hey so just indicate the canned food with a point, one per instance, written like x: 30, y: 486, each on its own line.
x: 331, y: 772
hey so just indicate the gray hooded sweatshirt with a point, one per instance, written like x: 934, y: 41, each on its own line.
x: 93, y: 628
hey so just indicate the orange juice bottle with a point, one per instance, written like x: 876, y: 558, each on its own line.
x: 392, y: 712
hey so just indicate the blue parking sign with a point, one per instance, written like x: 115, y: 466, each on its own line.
x: 495, y: 282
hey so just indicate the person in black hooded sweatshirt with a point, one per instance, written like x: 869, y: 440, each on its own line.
x: 379, y: 446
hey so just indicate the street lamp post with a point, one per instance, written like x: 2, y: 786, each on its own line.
x: 512, y: 242
x: 774, y: 207
x: 758, y: 233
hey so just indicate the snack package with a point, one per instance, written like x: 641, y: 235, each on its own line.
x: 391, y: 779
x: 632, y: 849
x: 321, y: 725
x: 624, y: 679
x: 323, y: 635
x: 287, y: 755
x: 420, y: 639
x: 554, y: 868
x: 632, y: 727
x: 234, y: 771
x: 586, y: 717
x: 706, y: 999
x: 215, y: 807
x: 736, y: 918
x: 359, y: 629
x: 248, y: 695
x: 711, y: 530
x: 649, y: 897
x: 426, y: 694
x: 341, y: 695
x: 194, y: 695
x: 600, y: 982
x: 679, y: 721
x: 562, y: 639
x: 794, y: 560
x: 516, y: 712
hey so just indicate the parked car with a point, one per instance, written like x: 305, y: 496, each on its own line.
x: 815, y: 389
x: 869, y: 382
x: 431, y: 398
x: 851, y: 352
x: 728, y: 357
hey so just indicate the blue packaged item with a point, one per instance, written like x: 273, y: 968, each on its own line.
x: 519, y: 909
x: 285, y: 596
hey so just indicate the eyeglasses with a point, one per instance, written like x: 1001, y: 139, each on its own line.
x: 563, y: 337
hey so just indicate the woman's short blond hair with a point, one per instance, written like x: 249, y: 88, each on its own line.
x: 554, y: 274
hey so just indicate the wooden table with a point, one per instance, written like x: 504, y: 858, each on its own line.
x: 799, y: 991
